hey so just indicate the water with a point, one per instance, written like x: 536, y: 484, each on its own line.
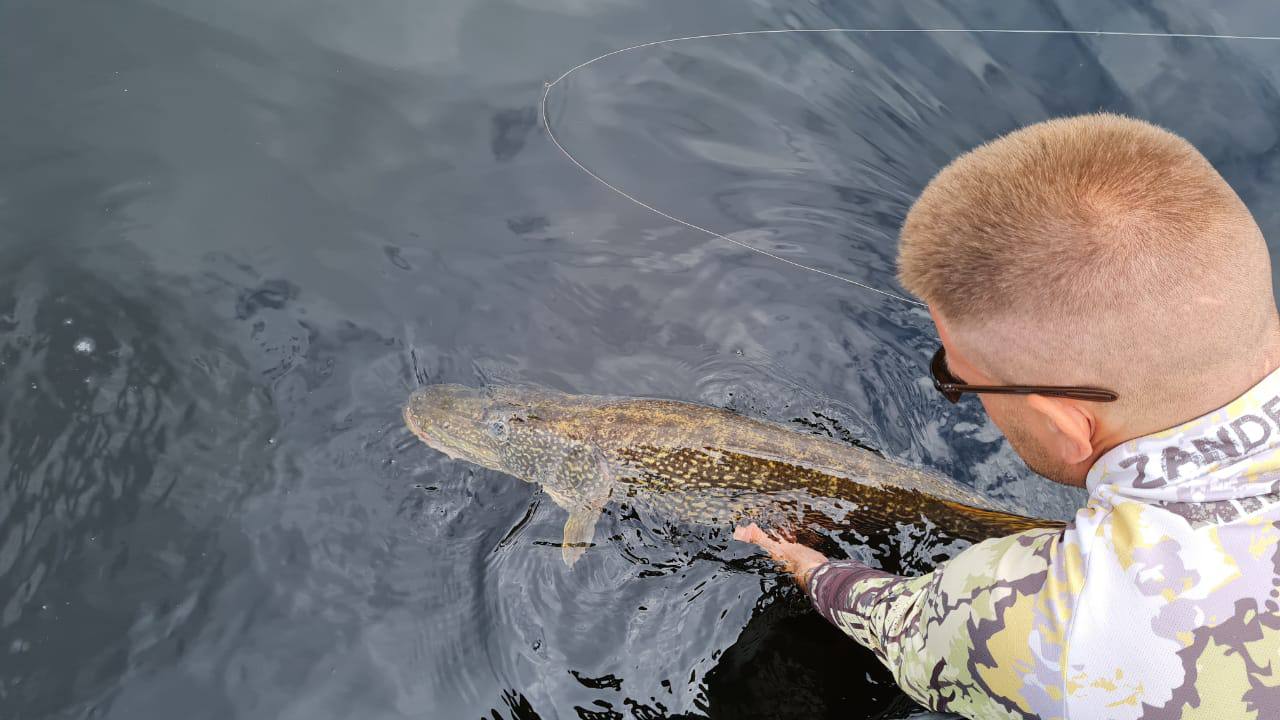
x: 233, y: 236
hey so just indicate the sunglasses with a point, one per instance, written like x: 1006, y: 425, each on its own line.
x: 953, y: 387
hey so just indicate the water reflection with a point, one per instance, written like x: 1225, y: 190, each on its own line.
x: 270, y: 220
x: 125, y: 443
x: 788, y: 663
x: 511, y: 129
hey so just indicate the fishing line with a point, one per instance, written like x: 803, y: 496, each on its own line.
x: 546, y: 118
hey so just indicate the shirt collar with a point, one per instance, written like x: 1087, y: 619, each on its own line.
x: 1228, y: 453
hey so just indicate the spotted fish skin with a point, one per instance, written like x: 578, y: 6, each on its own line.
x: 698, y: 463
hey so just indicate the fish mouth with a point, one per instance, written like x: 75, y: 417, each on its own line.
x: 413, y: 426
x: 450, y: 419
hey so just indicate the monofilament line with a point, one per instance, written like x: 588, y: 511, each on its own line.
x: 546, y: 118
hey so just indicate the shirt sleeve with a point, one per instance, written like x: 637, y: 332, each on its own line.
x: 983, y: 635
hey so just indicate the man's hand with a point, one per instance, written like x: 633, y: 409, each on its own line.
x: 793, y: 557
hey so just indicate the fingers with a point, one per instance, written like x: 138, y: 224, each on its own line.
x: 754, y: 534
x: 748, y: 533
x: 783, y: 535
x: 777, y: 549
x: 793, y: 557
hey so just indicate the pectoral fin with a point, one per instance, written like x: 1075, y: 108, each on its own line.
x: 578, y: 532
x: 580, y: 483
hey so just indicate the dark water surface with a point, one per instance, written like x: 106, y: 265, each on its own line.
x: 233, y: 236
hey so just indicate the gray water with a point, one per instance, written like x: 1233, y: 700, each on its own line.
x: 234, y: 235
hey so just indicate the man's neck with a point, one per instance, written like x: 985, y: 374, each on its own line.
x: 1236, y: 383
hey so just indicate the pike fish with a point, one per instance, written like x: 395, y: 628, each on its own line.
x: 700, y: 464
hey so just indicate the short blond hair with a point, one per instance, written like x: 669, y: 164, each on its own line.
x: 1064, y: 214
x: 1099, y: 226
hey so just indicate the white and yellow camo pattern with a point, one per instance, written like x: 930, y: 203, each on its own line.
x: 1161, y: 599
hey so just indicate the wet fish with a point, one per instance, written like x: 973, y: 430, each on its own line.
x: 701, y: 464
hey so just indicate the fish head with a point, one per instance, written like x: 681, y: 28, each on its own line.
x: 511, y: 429
x: 462, y: 422
x: 535, y: 434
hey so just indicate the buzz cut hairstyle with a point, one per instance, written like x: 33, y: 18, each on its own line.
x: 1075, y: 216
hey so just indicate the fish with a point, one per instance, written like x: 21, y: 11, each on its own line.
x: 697, y: 463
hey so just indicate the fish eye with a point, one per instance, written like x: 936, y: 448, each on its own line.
x: 498, y: 428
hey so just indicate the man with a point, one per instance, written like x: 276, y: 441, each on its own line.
x: 1106, y: 257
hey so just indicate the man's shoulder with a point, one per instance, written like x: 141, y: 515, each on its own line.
x: 1177, y: 602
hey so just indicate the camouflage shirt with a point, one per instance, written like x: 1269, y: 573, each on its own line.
x: 1158, y: 601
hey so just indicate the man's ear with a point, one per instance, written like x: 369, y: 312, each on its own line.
x: 1070, y: 425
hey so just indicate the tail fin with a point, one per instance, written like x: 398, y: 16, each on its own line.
x: 994, y: 523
